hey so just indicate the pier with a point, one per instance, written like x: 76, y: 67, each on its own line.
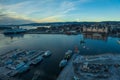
x: 18, y: 61
x: 67, y: 72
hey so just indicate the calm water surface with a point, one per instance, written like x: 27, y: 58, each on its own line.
x: 58, y: 44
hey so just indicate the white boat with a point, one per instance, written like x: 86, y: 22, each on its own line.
x: 37, y: 60
x: 47, y: 53
x: 63, y: 63
x: 69, y: 52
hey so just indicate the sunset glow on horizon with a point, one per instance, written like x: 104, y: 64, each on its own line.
x: 28, y: 11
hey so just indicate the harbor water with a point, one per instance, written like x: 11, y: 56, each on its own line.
x: 58, y: 44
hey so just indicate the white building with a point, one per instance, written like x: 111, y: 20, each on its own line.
x: 95, y: 29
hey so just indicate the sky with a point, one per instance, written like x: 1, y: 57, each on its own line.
x: 30, y: 11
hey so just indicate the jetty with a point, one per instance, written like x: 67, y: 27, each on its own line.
x: 98, y: 67
x: 67, y: 73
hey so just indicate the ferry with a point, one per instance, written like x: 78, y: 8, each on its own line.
x: 14, y: 31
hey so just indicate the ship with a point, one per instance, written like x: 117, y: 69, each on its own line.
x: 14, y: 31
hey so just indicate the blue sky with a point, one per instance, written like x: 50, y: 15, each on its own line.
x: 27, y: 11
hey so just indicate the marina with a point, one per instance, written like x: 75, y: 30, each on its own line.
x: 59, y: 40
x: 58, y: 45
x: 19, y: 61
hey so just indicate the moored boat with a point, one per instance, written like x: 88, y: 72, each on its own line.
x: 47, y: 53
x: 63, y: 63
x: 23, y: 69
x: 37, y: 60
x: 68, y: 54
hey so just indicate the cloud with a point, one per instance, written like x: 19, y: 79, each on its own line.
x: 41, y: 10
x: 55, y: 18
x: 6, y: 20
x: 59, y: 12
x: 48, y: 10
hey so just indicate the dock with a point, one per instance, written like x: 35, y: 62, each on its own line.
x: 17, y: 61
x: 67, y: 72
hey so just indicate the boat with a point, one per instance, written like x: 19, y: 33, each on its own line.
x: 118, y: 41
x: 18, y: 61
x: 37, y: 60
x: 14, y: 31
x: 68, y: 54
x: 12, y: 73
x: 47, y: 53
x: 23, y: 69
x: 63, y: 63
x: 71, y: 32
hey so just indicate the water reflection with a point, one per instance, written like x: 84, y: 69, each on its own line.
x: 12, y: 36
x: 96, y: 36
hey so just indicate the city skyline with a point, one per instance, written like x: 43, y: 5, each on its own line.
x: 29, y: 11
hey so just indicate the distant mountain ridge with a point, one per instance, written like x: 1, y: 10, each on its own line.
x: 57, y: 23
